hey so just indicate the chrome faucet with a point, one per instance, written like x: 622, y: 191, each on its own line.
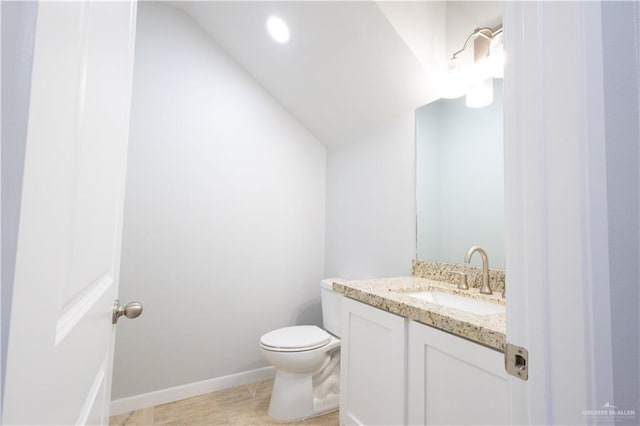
x: 486, y: 289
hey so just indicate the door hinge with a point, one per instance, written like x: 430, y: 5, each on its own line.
x: 516, y: 361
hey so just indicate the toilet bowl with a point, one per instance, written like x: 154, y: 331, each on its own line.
x: 307, y: 362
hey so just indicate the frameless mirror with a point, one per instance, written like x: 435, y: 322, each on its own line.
x: 460, y: 180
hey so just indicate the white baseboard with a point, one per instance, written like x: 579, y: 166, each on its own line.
x: 176, y: 393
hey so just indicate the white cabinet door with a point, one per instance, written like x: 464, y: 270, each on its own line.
x: 68, y: 249
x: 454, y: 381
x: 373, y: 366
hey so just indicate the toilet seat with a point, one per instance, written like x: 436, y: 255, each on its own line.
x: 295, y: 339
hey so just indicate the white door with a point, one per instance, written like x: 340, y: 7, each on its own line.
x: 555, y: 201
x: 68, y: 253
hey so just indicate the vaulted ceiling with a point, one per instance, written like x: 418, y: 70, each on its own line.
x: 348, y: 65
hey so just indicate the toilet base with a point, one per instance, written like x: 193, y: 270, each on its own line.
x: 292, y: 398
x: 300, y: 396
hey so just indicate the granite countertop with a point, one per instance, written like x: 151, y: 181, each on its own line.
x: 386, y: 294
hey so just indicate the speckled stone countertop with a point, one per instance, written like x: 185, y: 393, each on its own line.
x: 387, y: 294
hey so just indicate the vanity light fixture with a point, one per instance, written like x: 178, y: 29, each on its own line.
x: 475, y: 80
x: 278, y: 29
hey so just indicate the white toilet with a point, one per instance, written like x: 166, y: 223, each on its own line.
x: 307, y: 361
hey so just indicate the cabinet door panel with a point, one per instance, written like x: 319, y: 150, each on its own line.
x: 373, y: 366
x: 454, y: 381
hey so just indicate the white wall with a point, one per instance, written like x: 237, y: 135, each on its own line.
x: 622, y: 77
x: 371, y: 202
x: 224, y: 216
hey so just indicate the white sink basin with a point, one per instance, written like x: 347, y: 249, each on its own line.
x: 460, y: 303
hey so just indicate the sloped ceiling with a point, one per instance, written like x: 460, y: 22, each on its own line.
x: 347, y: 66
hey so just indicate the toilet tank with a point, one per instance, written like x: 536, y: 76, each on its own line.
x: 331, y: 306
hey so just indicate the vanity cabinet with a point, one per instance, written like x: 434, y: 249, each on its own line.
x: 373, y: 366
x: 454, y: 381
x: 396, y: 371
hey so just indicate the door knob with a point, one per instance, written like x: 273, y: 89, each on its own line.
x: 131, y: 310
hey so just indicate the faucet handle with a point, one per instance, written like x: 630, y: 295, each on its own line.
x: 462, y: 280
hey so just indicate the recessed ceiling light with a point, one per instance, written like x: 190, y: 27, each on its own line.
x: 278, y: 29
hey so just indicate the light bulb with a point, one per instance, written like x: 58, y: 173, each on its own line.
x: 456, y: 82
x: 480, y: 94
x: 278, y: 29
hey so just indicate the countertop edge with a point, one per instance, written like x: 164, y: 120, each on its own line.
x: 446, y: 320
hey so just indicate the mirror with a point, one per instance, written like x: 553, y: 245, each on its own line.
x: 460, y: 180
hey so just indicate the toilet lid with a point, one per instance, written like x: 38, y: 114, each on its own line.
x: 301, y: 337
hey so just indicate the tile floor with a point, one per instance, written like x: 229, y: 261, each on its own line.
x: 242, y: 405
